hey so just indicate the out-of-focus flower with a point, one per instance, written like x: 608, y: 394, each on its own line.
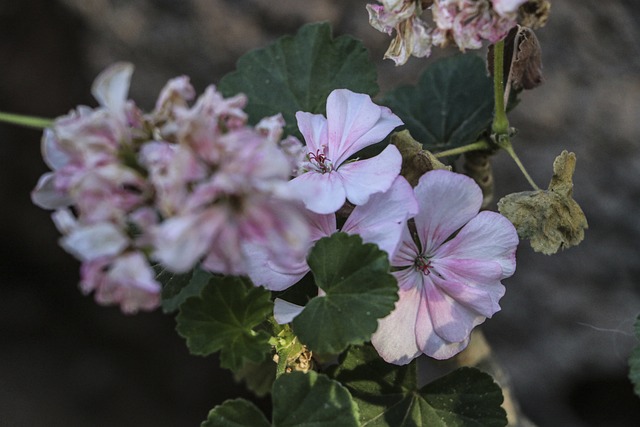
x: 380, y: 221
x: 464, y: 22
x: 328, y: 178
x: 447, y: 285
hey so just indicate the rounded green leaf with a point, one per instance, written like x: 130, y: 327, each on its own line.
x: 297, y: 73
x: 312, y: 400
x: 388, y: 396
x: 450, y: 106
x: 236, y: 413
x: 224, y: 319
x: 359, y: 290
x: 176, y: 288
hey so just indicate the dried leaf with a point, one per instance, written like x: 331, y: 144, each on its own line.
x: 534, y: 13
x: 415, y: 161
x: 550, y: 219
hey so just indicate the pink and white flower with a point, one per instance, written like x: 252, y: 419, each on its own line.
x: 328, y: 178
x: 449, y: 275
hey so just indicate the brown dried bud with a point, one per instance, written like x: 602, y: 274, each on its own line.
x: 477, y: 165
x: 415, y: 161
x: 550, y: 219
x: 534, y: 13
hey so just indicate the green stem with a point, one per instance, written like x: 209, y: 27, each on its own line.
x: 500, y: 124
x: 28, y: 121
x: 504, y: 143
x: 475, y: 146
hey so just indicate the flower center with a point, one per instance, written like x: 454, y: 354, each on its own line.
x: 320, y: 162
x: 423, y: 264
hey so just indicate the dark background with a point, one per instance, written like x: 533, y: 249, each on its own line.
x: 565, y: 331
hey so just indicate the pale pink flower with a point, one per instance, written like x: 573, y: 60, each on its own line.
x: 507, y: 7
x: 449, y: 277
x: 328, y: 179
x: 126, y: 280
x: 380, y: 221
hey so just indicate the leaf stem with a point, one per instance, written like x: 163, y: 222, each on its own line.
x: 475, y: 146
x: 27, y: 121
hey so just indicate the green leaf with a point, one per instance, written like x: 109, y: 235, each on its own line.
x: 297, y: 73
x: 224, y: 319
x: 387, y: 395
x: 178, y: 287
x: 634, y: 361
x: 312, y: 400
x: 236, y: 413
x: 450, y: 106
x: 258, y: 377
x: 359, y: 291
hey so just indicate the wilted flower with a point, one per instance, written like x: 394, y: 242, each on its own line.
x: 449, y: 275
x: 328, y: 178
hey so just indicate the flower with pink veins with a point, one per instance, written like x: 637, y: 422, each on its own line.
x: 449, y: 276
x: 328, y: 179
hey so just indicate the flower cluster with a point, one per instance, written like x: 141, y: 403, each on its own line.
x: 178, y: 186
x: 464, y: 22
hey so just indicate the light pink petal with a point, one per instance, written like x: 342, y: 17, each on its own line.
x: 395, y: 339
x: 506, y: 7
x: 320, y: 193
x: 429, y: 341
x: 447, y: 201
x: 46, y: 196
x: 181, y: 241
x: 364, y: 178
x: 90, y: 242
x: 313, y: 128
x: 52, y: 154
x: 407, y: 250
x: 111, y: 87
x: 487, y: 237
x: 321, y: 225
x: 284, y: 311
x: 355, y: 122
x: 383, y: 218
x: 453, y: 321
x: 263, y: 271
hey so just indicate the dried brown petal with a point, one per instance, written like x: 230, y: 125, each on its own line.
x: 550, y: 219
x: 415, y: 161
x: 526, y: 65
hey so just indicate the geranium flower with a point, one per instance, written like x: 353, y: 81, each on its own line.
x: 379, y: 221
x: 447, y: 285
x: 353, y: 122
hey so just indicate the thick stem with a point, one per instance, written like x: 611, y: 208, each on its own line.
x: 500, y: 124
x: 475, y: 146
x: 27, y: 121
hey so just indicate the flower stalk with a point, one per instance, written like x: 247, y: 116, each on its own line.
x: 26, y: 121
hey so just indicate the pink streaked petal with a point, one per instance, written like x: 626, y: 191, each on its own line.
x: 364, y: 178
x: 407, y: 250
x: 487, y: 237
x: 480, y: 297
x: 284, y: 311
x: 263, y: 271
x: 320, y: 193
x: 52, y: 154
x: 409, y: 278
x: 447, y: 201
x: 321, y: 225
x: 313, y: 128
x: 355, y: 122
x: 181, y: 241
x: 111, y: 87
x: 383, y: 218
x: 395, y: 339
x: 429, y: 342
x: 452, y: 321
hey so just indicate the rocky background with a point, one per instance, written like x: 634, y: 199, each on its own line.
x: 565, y: 330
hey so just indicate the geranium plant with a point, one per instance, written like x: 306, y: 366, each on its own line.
x: 312, y: 231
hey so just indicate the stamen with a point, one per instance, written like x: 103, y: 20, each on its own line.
x: 423, y: 264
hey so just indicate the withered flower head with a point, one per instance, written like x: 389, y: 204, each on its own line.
x: 415, y: 161
x: 550, y: 219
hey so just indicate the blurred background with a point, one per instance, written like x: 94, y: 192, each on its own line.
x: 565, y: 331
